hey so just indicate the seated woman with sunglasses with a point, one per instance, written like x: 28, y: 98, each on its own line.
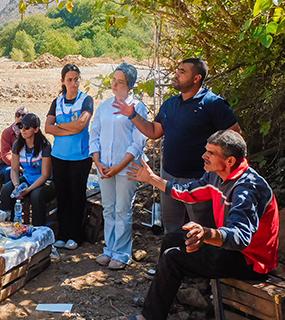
x: 31, y: 152
x: 8, y: 137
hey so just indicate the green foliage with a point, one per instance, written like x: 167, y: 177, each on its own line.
x: 7, y: 35
x: 86, y: 27
x: 103, y: 43
x: 24, y: 43
x: 86, y: 48
x: 58, y: 43
x: 145, y: 87
x: 82, y: 12
x: 35, y: 25
x: 17, y: 55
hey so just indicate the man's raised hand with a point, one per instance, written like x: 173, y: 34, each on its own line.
x: 123, y: 108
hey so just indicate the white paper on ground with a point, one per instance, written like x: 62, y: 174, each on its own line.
x: 54, y: 307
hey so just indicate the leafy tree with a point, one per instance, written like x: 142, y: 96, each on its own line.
x: 35, y: 25
x: 82, y: 12
x: 7, y: 35
x: 25, y: 44
x: 58, y: 43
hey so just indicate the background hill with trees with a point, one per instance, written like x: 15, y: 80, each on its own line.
x: 84, y: 32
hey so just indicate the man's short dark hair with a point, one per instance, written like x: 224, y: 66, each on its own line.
x: 231, y: 142
x: 199, y: 65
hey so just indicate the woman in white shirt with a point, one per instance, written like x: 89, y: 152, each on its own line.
x: 114, y: 143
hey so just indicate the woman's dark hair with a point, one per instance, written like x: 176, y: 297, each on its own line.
x: 40, y: 142
x: 68, y: 67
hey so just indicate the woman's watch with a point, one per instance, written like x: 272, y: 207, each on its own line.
x: 132, y: 115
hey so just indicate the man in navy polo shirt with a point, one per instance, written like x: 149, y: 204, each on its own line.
x: 186, y: 121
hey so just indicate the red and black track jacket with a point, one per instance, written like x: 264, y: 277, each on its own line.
x: 245, y: 211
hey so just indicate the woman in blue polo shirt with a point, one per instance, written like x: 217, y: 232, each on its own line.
x: 31, y: 152
x: 114, y: 143
x: 68, y: 120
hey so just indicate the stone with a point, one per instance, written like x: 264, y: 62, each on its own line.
x: 192, y: 297
x: 140, y: 255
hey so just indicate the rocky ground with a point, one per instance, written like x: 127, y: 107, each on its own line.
x: 94, y: 291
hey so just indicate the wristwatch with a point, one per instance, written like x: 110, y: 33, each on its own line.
x: 133, y: 115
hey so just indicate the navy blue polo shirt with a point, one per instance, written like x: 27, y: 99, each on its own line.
x: 187, y: 125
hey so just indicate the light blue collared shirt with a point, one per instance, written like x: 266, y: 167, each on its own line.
x: 114, y: 135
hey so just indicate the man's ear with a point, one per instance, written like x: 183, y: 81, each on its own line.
x: 36, y: 130
x: 231, y: 162
x: 197, y: 78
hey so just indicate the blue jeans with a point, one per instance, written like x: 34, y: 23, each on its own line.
x: 117, y: 195
x: 5, y: 172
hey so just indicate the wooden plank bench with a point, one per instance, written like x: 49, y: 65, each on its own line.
x: 240, y: 300
x: 15, y: 278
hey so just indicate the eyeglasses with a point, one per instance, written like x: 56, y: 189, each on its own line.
x: 20, y: 115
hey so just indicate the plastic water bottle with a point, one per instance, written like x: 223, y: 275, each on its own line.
x: 92, y: 182
x: 17, y: 191
x: 18, y: 211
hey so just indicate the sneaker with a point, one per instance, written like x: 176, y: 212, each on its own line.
x: 116, y: 265
x: 59, y: 244
x: 71, y: 245
x: 103, y: 260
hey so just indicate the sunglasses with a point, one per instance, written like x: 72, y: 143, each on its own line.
x: 21, y: 126
x: 20, y: 115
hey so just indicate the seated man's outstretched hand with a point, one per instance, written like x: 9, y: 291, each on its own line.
x: 140, y: 173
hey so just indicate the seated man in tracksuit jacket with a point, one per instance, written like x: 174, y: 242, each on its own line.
x: 244, y: 244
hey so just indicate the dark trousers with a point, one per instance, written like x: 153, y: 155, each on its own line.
x: 175, y: 264
x: 38, y: 198
x: 70, y: 178
x: 176, y: 213
x: 4, y: 173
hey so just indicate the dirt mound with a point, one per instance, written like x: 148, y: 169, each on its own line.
x: 77, y: 59
x: 46, y: 60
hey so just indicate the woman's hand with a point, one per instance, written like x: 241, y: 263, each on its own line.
x: 23, y: 194
x: 112, y: 171
x: 101, y: 168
